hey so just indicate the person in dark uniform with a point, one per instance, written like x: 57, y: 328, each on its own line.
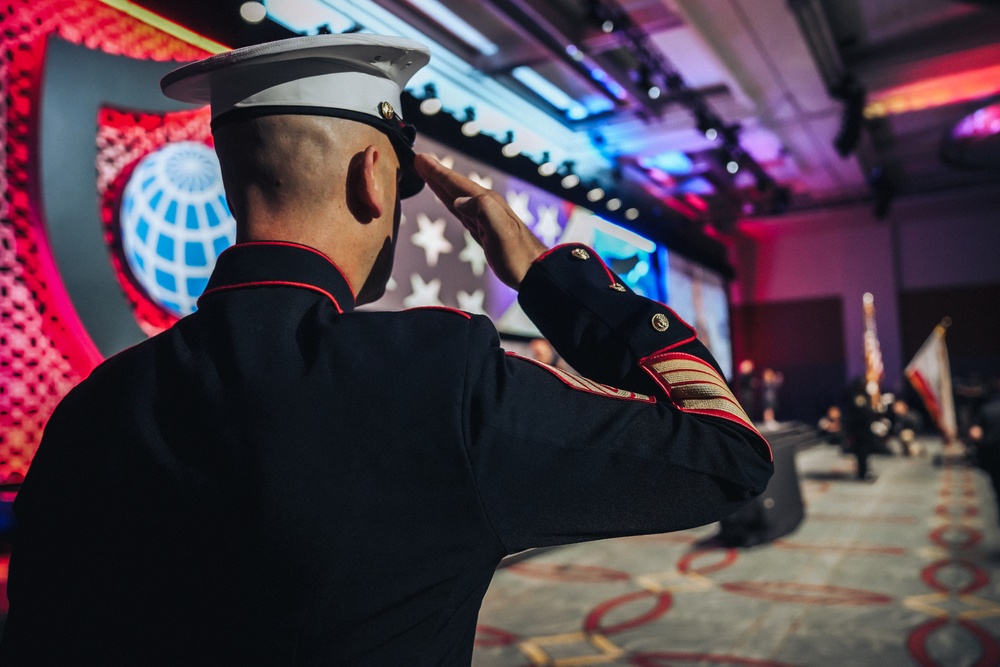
x: 282, y: 479
x: 861, y: 427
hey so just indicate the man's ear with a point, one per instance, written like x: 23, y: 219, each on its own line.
x: 363, y: 186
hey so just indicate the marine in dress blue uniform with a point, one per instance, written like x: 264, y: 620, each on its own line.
x: 283, y: 479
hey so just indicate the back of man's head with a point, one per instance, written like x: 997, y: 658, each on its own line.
x: 290, y: 165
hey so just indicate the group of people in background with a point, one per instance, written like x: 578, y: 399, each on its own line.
x: 863, y: 426
x: 893, y: 425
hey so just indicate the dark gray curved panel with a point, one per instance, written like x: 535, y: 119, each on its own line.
x: 77, y: 81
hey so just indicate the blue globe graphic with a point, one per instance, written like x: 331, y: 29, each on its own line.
x: 174, y: 223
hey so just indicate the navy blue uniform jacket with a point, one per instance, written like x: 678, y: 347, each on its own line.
x: 280, y: 479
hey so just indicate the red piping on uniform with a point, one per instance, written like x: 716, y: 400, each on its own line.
x: 273, y: 283
x: 450, y: 310
x: 551, y: 250
x: 685, y: 355
x: 289, y: 244
x: 683, y: 341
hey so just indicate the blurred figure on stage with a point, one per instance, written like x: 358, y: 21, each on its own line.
x: 542, y: 350
x: 771, y: 381
x: 746, y: 387
x: 832, y: 425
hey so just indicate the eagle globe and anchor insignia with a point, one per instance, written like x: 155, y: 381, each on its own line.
x: 174, y: 223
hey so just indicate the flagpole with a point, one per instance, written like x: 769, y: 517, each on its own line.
x: 874, y: 369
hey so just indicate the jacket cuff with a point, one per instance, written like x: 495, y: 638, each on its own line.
x: 595, y: 321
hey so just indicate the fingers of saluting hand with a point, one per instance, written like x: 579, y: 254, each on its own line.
x: 448, y: 185
x: 509, y: 245
x: 464, y: 197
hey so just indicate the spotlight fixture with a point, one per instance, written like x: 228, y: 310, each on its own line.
x: 614, y: 204
x: 570, y: 180
x: 675, y: 82
x: 595, y: 194
x: 732, y: 166
x: 430, y: 104
x: 547, y: 166
x: 608, y: 26
x: 632, y: 214
x: 705, y: 123
x: 470, y: 127
x: 653, y: 92
x: 253, y: 12
x: 509, y: 148
x: 731, y: 135
x: 852, y: 119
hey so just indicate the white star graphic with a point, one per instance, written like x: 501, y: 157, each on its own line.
x: 391, y: 284
x: 548, y: 229
x: 484, y: 181
x: 472, y: 303
x: 518, y: 202
x: 473, y: 254
x: 448, y: 160
x: 431, y: 238
x: 424, y: 294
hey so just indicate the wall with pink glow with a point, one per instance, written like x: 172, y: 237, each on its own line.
x: 947, y: 242
x: 925, y: 242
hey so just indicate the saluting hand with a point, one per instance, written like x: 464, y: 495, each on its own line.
x: 509, y: 245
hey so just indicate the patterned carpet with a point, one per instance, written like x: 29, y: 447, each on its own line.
x: 901, y: 571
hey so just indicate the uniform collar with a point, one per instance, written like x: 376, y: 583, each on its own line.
x: 279, y: 264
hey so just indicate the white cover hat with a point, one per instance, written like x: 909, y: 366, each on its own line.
x: 357, y: 76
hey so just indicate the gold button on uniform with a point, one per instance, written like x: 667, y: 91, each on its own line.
x: 660, y: 322
x: 580, y: 253
x: 618, y: 287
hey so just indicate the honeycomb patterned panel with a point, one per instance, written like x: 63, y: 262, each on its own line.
x: 42, y: 355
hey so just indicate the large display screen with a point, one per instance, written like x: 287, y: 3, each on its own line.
x: 698, y: 295
x: 439, y: 264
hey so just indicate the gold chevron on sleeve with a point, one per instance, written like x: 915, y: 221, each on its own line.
x: 581, y: 383
x: 695, y: 386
